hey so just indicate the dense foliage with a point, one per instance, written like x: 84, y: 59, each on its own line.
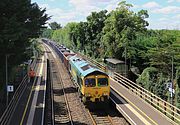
x: 47, y: 33
x: 120, y: 30
x: 122, y: 34
x: 55, y: 26
x: 20, y: 20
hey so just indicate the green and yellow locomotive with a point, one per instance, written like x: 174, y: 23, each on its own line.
x: 93, y: 84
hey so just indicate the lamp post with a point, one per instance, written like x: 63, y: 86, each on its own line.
x: 172, y: 75
x: 125, y: 60
x: 7, y: 94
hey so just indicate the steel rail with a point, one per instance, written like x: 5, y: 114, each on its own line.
x: 65, y: 97
x: 100, y: 120
x: 67, y: 104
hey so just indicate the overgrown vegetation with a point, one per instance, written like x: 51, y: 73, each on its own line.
x: 123, y: 34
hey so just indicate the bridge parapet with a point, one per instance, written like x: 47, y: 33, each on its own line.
x: 164, y: 107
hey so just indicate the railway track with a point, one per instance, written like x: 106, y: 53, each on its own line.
x: 61, y: 110
x: 100, y: 118
x: 60, y: 102
x: 106, y: 116
x: 67, y: 106
x: 62, y: 85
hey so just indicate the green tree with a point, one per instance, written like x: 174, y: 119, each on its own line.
x: 47, y: 33
x: 159, y: 49
x: 20, y: 21
x: 81, y: 36
x: 95, y: 24
x: 72, y: 32
x: 67, y: 35
x: 140, y: 46
x: 120, y: 30
x: 177, y: 85
x: 166, y: 48
x: 55, y: 26
x: 148, y: 78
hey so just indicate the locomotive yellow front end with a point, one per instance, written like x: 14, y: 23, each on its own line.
x: 96, y: 88
x: 93, y: 83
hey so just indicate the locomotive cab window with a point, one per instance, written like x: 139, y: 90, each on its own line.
x: 102, y: 82
x: 90, y: 82
x: 70, y: 67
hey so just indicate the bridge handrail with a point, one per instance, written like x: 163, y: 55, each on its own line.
x: 146, y: 90
x: 167, y: 109
x: 155, y: 101
x: 101, y: 66
x: 163, y: 106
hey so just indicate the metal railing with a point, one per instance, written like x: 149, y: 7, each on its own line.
x: 100, y: 66
x: 5, y: 118
x: 163, y: 106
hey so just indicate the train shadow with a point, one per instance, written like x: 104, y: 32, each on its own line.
x: 102, y: 110
x: 68, y: 90
x: 113, y: 101
x: 97, y: 106
x: 117, y: 99
x: 61, y: 110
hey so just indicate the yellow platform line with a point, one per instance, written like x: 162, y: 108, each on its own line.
x: 24, y: 113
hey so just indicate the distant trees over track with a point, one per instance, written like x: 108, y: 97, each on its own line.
x: 123, y: 34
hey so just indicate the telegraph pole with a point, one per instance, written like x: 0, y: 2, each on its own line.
x: 7, y: 93
x: 125, y: 61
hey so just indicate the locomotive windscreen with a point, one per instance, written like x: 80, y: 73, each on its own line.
x: 96, y: 73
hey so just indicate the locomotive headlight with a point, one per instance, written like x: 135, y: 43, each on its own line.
x: 105, y: 94
x: 87, y: 94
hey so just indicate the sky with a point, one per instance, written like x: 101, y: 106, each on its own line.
x: 163, y: 14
